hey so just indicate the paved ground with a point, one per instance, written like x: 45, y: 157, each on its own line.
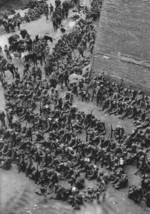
x: 14, y: 183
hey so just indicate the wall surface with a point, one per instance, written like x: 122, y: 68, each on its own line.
x: 122, y: 47
x: 11, y: 2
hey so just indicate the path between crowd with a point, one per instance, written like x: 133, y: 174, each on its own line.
x: 117, y: 198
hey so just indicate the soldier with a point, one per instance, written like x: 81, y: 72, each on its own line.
x: 51, y: 9
x: 2, y: 118
x: 1, y: 51
x: 25, y: 72
x: 34, y: 73
x: 66, y: 78
x: 6, y: 50
x: 39, y: 73
x: 105, y: 104
x: 18, y: 23
x: 9, y: 118
x: 17, y: 75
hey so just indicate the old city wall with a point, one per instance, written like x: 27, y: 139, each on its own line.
x: 10, y: 3
x: 122, y: 48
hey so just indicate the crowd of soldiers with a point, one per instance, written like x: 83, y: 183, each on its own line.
x: 60, y: 12
x: 61, y: 147
x: 82, y: 38
x: 34, y: 12
x: 95, y: 9
x: 37, y: 8
x: 11, y: 24
x: 122, y: 102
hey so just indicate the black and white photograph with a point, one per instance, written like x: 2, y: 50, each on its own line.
x: 74, y: 107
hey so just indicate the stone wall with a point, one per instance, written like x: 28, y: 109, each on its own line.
x: 2, y: 1
x: 122, y: 48
x: 11, y: 2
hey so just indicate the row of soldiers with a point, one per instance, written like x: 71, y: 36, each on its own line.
x: 81, y: 39
x: 124, y: 102
x: 12, y: 24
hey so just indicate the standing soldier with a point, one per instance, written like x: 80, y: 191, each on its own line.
x: 2, y: 79
x: 46, y: 11
x: 18, y: 23
x: 81, y: 50
x: 51, y: 9
x: 1, y: 51
x: 6, y: 50
x: 34, y: 74
x: 2, y: 118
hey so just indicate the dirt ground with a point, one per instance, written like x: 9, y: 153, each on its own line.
x: 12, y: 183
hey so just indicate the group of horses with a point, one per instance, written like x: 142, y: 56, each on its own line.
x: 6, y: 66
x: 23, y: 48
x: 16, y: 44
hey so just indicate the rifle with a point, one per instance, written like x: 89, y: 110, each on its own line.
x: 111, y: 133
x: 103, y: 75
x: 40, y: 107
x: 37, y: 168
x: 137, y: 172
x: 26, y: 125
x: 121, y: 83
x: 91, y: 112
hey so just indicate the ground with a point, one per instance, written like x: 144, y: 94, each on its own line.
x: 10, y: 190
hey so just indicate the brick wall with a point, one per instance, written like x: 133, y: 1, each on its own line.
x: 122, y: 48
x: 3, y: 2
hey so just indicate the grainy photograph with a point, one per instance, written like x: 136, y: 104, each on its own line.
x: 74, y: 107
